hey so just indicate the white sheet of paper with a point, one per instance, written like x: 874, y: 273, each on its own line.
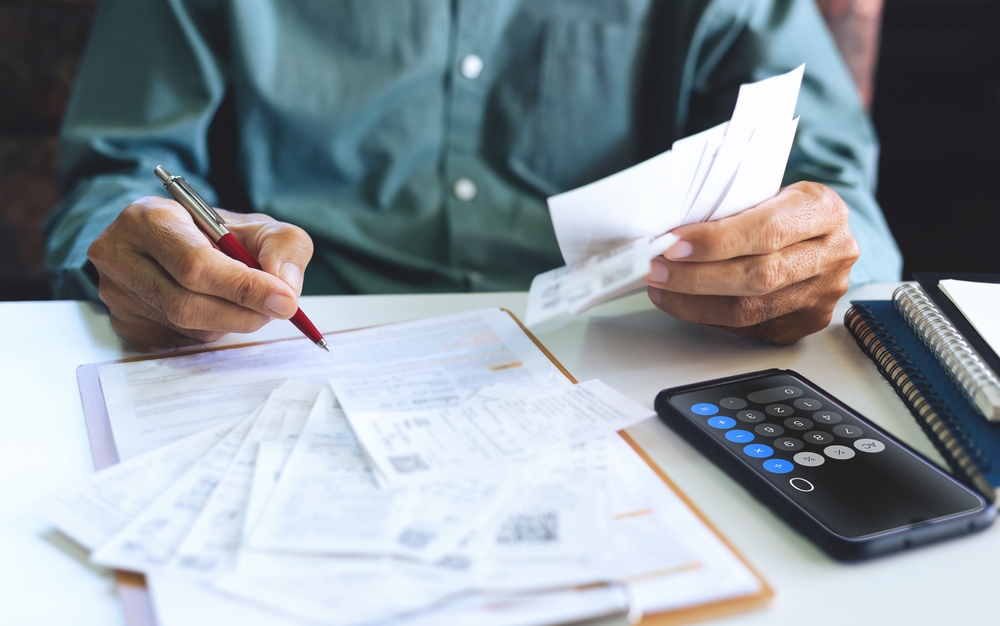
x: 573, y: 289
x: 980, y: 304
x: 212, y: 543
x: 92, y: 512
x: 713, y: 137
x: 760, y: 173
x: 423, y: 446
x: 153, y: 402
x: 150, y: 538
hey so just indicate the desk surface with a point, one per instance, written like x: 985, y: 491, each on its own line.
x: 638, y: 350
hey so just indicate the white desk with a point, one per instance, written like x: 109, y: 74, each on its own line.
x: 628, y: 344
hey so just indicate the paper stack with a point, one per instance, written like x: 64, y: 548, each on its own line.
x: 609, y: 230
x: 421, y: 474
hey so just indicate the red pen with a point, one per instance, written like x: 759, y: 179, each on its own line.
x: 212, y: 224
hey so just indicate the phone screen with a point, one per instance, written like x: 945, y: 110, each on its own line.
x: 841, y: 469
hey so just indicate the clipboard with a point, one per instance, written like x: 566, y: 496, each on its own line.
x: 134, y: 594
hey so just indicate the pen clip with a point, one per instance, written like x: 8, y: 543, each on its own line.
x: 197, y: 198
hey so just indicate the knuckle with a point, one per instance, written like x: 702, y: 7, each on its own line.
x: 765, y: 276
x: 192, y: 269
x: 775, y: 233
x: 745, y: 312
x: 180, y: 310
x: 246, y: 291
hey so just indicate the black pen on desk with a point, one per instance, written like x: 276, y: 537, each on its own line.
x: 214, y: 227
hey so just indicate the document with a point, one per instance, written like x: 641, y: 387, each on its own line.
x: 212, y: 543
x: 979, y: 303
x: 154, y: 402
x: 414, y: 447
x: 714, y: 174
x: 150, y: 538
x: 92, y: 512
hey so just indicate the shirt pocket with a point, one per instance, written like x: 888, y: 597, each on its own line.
x: 580, y: 127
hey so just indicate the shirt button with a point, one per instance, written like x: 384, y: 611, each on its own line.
x: 465, y: 189
x: 471, y: 66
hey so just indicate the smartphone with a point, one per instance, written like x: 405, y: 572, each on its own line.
x: 844, y: 483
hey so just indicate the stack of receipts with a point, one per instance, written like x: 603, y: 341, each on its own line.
x: 609, y: 230
x: 432, y: 472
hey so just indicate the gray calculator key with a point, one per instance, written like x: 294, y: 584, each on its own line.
x: 798, y: 423
x: 788, y: 444
x: 869, y: 445
x: 733, y: 403
x: 809, y: 459
x: 778, y: 410
x: 808, y: 404
x: 818, y: 437
x: 838, y: 452
x: 773, y: 395
x: 768, y: 430
x: 847, y: 430
x: 827, y: 417
x: 751, y: 417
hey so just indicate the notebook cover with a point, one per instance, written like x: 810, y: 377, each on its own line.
x: 929, y: 283
x: 979, y: 437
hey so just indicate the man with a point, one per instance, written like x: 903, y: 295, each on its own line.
x: 415, y: 142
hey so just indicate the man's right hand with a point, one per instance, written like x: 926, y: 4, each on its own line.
x: 168, y: 286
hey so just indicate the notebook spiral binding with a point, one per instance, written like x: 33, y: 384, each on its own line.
x: 939, y: 423
x: 959, y: 359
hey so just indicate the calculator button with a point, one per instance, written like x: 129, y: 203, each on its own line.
x: 768, y: 430
x: 818, y: 436
x: 739, y: 436
x: 788, y: 444
x: 751, y: 417
x: 846, y: 430
x: 809, y: 459
x: 704, y: 408
x: 779, y: 410
x: 869, y: 445
x: 798, y: 423
x: 758, y: 450
x: 733, y: 403
x: 838, y: 452
x: 720, y: 422
x: 801, y: 484
x: 778, y: 466
x: 773, y: 395
x: 808, y: 404
x: 827, y: 417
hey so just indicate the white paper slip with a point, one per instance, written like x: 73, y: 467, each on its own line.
x: 212, y: 543
x: 423, y: 446
x: 573, y: 289
x: 91, y: 513
x: 150, y: 538
x: 980, y: 304
x: 714, y: 174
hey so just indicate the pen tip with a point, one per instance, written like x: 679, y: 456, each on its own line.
x: 322, y: 344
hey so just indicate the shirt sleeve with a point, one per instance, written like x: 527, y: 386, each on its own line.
x: 146, y: 93
x: 835, y: 144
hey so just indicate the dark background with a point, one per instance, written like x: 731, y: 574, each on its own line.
x: 936, y: 105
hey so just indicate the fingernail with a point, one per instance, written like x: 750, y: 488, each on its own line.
x: 680, y: 250
x: 658, y: 271
x: 655, y: 295
x: 280, y: 305
x: 291, y: 274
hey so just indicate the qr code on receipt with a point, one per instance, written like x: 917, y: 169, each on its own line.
x: 541, y: 528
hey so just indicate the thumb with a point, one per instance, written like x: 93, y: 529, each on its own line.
x: 283, y: 250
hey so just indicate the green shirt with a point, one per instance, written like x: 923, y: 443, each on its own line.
x: 416, y: 140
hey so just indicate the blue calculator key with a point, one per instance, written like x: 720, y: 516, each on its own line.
x: 757, y: 450
x: 704, y: 408
x: 778, y: 466
x: 739, y: 436
x: 722, y: 423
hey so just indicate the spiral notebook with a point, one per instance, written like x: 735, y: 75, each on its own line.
x: 931, y: 391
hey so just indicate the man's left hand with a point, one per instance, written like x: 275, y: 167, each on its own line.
x: 773, y: 272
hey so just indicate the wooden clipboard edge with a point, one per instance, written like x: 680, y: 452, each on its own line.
x: 700, y: 612
x: 133, y: 591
